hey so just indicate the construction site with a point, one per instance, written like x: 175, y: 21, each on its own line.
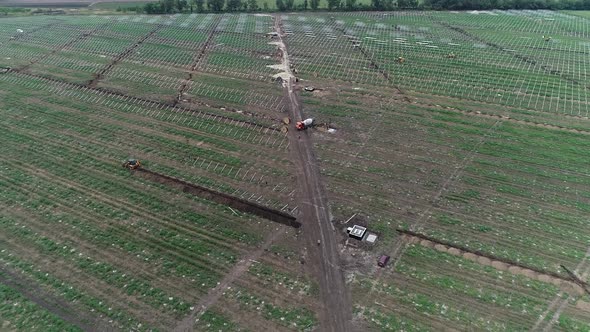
x: 354, y: 171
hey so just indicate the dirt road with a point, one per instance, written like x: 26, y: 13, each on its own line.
x: 314, y: 214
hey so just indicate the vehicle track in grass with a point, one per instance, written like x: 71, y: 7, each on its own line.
x: 369, y: 57
x: 172, y: 284
x: 71, y: 271
x: 196, y: 62
x: 91, y: 285
x: 561, y: 300
x: 528, y: 60
x: 98, y: 76
x: 54, y: 305
x: 187, y: 324
x: 79, y: 38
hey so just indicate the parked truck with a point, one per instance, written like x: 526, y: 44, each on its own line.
x: 302, y: 125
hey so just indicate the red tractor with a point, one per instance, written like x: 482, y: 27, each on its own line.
x: 302, y: 125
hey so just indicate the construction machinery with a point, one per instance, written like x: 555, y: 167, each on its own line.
x: 132, y: 164
x: 400, y: 60
x: 547, y: 38
x: 4, y: 70
x: 302, y: 125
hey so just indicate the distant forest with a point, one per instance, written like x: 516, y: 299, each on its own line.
x: 199, y: 6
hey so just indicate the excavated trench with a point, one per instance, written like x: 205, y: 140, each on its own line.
x: 221, y: 198
x: 569, y: 282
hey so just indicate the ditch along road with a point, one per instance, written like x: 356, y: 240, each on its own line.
x: 323, y: 259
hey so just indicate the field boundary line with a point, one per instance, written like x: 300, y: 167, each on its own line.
x: 373, y: 62
x: 60, y: 48
x: 100, y: 91
x: 547, y: 69
x: 509, y: 119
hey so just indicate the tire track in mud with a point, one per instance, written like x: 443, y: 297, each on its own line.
x: 320, y: 238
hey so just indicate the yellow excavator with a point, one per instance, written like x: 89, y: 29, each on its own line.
x: 132, y: 164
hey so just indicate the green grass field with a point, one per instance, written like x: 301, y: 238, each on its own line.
x: 117, y: 5
x: 478, y: 139
x: 581, y: 13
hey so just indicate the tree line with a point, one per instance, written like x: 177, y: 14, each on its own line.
x: 200, y: 6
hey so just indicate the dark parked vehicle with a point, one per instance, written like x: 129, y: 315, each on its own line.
x: 383, y: 260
